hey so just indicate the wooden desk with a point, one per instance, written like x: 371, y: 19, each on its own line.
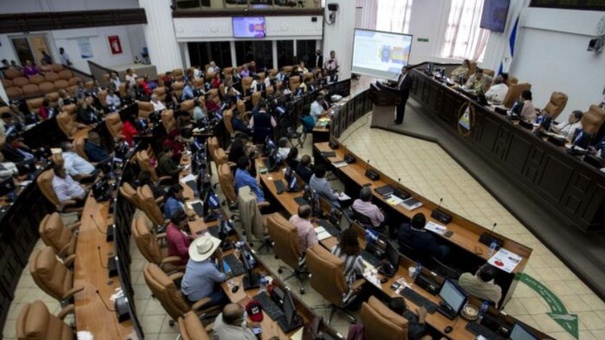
x: 465, y: 233
x: 91, y: 312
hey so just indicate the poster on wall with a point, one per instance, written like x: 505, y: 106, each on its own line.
x: 114, y: 44
x: 85, y: 48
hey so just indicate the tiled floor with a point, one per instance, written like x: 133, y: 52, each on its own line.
x: 425, y: 168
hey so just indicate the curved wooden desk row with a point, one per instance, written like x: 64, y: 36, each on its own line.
x: 560, y: 183
x: 464, y: 233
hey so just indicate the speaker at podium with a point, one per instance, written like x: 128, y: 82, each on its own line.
x: 382, y: 95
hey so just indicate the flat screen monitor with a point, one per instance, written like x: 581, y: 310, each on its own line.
x: 249, y: 27
x: 494, y: 15
x: 392, y: 254
x: 288, y: 307
x: 520, y: 333
x: 452, y: 296
x: 380, y: 54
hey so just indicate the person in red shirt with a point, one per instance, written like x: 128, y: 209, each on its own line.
x: 145, y: 85
x: 173, y: 140
x: 178, y: 240
x: 216, y: 82
x: 129, y: 130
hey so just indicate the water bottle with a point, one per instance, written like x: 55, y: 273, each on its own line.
x: 418, y: 270
x: 263, y: 284
x: 492, y: 249
x: 482, y: 311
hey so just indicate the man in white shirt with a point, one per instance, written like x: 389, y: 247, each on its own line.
x: 569, y: 127
x: 212, y: 68
x: 66, y: 188
x: 131, y: 77
x: 157, y: 104
x: 331, y: 65
x: 317, y: 108
x: 7, y: 169
x: 112, y: 100
x: 115, y: 81
x: 498, y: 91
x: 231, y: 324
x: 75, y: 165
x: 482, y: 284
x: 64, y: 57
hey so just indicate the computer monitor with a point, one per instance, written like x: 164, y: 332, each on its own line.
x: 520, y: 333
x: 251, y: 279
x: 289, y: 308
x: 452, y: 296
x: 270, y: 148
x: 392, y: 254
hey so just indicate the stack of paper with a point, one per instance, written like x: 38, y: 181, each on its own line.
x: 505, y: 260
x: 322, y: 234
x: 436, y: 228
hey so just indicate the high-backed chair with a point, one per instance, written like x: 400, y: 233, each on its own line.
x: 165, y: 290
x: 160, y: 91
x: 67, y: 120
x: 14, y: 92
x: 285, y: 246
x: 44, y: 182
x: 227, y: 117
x: 246, y: 82
x: 178, y: 74
x: 130, y: 193
x: 294, y: 83
x: 473, y: 68
x: 488, y: 72
x: 287, y: 69
x: 188, y: 106
x: 556, y: 104
x: 145, y: 109
x: 212, y: 147
x: 31, y: 90
x: 144, y: 162
x: 51, y: 275
x: 256, y: 97
x: 380, y: 322
x: 47, y: 87
x: 114, y: 125
x: 61, y: 238
x: 150, y: 206
x: 102, y: 95
x: 514, y: 91
x: 168, y: 120
x: 53, y: 77
x: 80, y: 147
x: 148, y: 245
x: 177, y: 89
x: 228, y: 72
x: 33, y: 105
x: 35, y: 322
x: 191, y: 328
x: 593, y: 119
x: 12, y: 73
x: 20, y: 81
x: 326, y: 267
x: 512, y: 80
x: 227, y: 183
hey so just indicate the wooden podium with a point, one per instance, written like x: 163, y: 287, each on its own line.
x: 384, y: 96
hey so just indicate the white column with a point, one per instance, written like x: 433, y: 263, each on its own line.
x: 274, y: 52
x: 233, y: 56
x: 164, y: 50
x: 338, y: 36
x: 3, y: 93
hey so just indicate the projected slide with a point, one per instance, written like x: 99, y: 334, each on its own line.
x: 380, y: 54
x: 249, y: 27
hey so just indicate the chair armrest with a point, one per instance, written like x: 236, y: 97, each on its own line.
x: 231, y: 164
x: 160, y: 236
x: 262, y: 205
x: 70, y: 293
x: 75, y: 225
x: 357, y: 284
x: 199, y: 303
x: 165, y: 178
x: 176, y: 276
x: 69, y: 260
x: 69, y: 309
x: 64, y: 249
x: 159, y: 200
x: 171, y: 259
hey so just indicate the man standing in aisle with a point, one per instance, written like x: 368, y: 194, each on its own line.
x: 404, y: 84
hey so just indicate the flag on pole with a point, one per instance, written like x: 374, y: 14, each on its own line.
x: 510, y: 48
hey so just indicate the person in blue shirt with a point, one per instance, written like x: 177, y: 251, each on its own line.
x: 174, y: 201
x: 93, y: 148
x: 187, y: 91
x: 243, y: 178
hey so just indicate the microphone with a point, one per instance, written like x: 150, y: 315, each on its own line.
x: 440, y: 201
x: 101, y: 257
x: 97, y: 225
x: 104, y: 303
x: 494, y: 227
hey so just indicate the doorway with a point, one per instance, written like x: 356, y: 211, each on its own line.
x: 30, y: 47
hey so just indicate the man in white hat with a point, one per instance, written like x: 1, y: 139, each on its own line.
x: 203, y: 275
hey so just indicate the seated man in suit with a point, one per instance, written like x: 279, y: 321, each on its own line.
x: 305, y: 168
x: 364, y: 206
x: 481, y: 284
x: 14, y: 150
x: 93, y: 148
x: 321, y: 186
x: 416, y: 237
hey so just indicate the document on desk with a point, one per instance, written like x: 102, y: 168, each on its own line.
x: 436, y: 228
x: 505, y: 260
x: 394, y: 200
x: 342, y: 196
x: 322, y: 234
x: 339, y: 164
x: 190, y: 177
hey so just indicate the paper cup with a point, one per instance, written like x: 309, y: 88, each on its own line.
x: 411, y: 271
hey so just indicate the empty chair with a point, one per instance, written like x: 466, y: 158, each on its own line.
x: 148, y: 245
x: 52, y: 77
x: 514, y: 92
x: 294, y: 83
x: 36, y: 79
x: 556, y: 104
x: 57, y: 67
x: 20, y: 81
x: 35, y: 322
x: 61, y: 238
x: 47, y: 87
x: 326, y: 267
x: 12, y: 73
x: 130, y: 193
x: 67, y: 120
x: 191, y: 328
x: 145, y: 109
x: 51, y: 275
x: 246, y: 82
x: 593, y: 119
x: 61, y: 84
x: 160, y: 91
x: 165, y: 290
x: 168, y: 120
x: 80, y: 147
x: 14, y: 92
x: 114, y: 125
x: 227, y: 183
x: 31, y: 90
x: 150, y: 206
x: 285, y: 245
x: 6, y: 82
x: 380, y: 322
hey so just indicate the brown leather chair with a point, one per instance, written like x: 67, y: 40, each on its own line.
x: 145, y: 109
x: 326, y: 267
x: 33, y: 105
x: 198, y: 84
x: 168, y: 120
x: 294, y: 83
x: 80, y: 147
x: 114, y: 125
x: 36, y: 79
x: 472, y: 69
x: 130, y: 194
x: 67, y: 120
x: 144, y: 161
x: 165, y: 290
x: 556, y: 104
x: 20, y: 81
x: 61, y: 238
x: 53, y: 97
x: 6, y: 82
x: 593, y: 119
x: 227, y: 183
x: 14, y: 92
x: 210, y: 76
x: 227, y: 117
x: 213, y: 95
x: 380, y: 322
x: 178, y: 74
x: 488, y: 72
x: 228, y: 72
x: 512, y: 80
x: 188, y: 105
x: 160, y: 91
x: 35, y: 322
x: 47, y: 87
x: 150, y: 206
x: 51, y: 275
x: 285, y: 246
x: 61, y: 84
x: 246, y: 82
x: 102, y: 95
x: 213, y: 146
x: 12, y: 73
x: 177, y: 89
x: 256, y: 97
x: 53, y: 77
x: 148, y: 245
x: 57, y: 67
x: 44, y: 182
x: 191, y: 328
x: 514, y: 91
x: 31, y: 90
x: 287, y: 69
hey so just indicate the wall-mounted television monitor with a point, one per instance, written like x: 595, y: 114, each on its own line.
x: 380, y: 54
x: 494, y: 15
x: 249, y: 27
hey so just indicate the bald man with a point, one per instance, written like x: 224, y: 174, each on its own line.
x: 230, y: 324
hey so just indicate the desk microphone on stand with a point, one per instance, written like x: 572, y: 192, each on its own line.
x: 441, y: 215
x: 109, y: 232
